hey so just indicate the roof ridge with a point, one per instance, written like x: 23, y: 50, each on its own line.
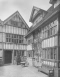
x: 48, y: 16
x: 11, y: 15
x: 17, y: 12
x: 36, y: 7
x: 50, y: 9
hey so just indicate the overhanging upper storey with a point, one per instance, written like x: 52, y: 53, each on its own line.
x: 36, y: 14
x: 51, y: 13
x: 1, y: 22
x: 34, y: 11
x: 16, y: 20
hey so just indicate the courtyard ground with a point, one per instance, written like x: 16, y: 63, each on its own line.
x: 19, y: 71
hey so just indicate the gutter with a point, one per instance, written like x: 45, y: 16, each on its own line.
x: 42, y: 22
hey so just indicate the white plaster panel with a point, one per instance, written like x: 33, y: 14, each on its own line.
x: 19, y: 30
x: 14, y: 30
x: 1, y: 29
x: 1, y: 37
x: 45, y: 43
x: 7, y: 46
x: 55, y: 41
x: 4, y: 46
x: 11, y: 47
x: 0, y: 45
x: 29, y: 47
x: 4, y: 28
x: 7, y: 29
x: 48, y: 43
x: 52, y: 41
x: 15, y: 47
x: 1, y: 53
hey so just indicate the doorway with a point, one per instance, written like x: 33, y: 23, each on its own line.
x: 7, y: 56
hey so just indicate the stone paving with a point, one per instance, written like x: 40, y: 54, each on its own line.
x: 19, y: 71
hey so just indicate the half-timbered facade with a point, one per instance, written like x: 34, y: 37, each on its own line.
x: 12, y: 38
x: 46, y: 37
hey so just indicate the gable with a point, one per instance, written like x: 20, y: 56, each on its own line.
x: 1, y: 22
x: 34, y: 12
x: 16, y: 20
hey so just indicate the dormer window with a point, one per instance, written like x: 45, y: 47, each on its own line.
x: 52, y: 1
x: 55, y: 2
x: 39, y: 18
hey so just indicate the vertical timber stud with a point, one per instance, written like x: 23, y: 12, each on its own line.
x: 59, y: 44
x: 2, y: 48
x: 13, y: 55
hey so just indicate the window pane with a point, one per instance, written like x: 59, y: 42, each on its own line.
x: 55, y: 53
x: 14, y: 53
x: 56, y: 29
x: 55, y: 41
x: 51, y: 53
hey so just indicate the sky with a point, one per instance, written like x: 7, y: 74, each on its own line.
x: 8, y: 7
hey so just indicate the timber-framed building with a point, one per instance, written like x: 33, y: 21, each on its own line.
x: 44, y: 35
x: 12, y: 38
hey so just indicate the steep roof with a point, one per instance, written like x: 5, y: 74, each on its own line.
x: 50, y: 9
x: 1, y: 22
x: 16, y: 13
x: 34, y: 9
x: 35, y: 12
x: 51, y: 12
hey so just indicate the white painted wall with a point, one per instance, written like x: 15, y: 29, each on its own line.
x: 1, y: 38
x: 14, y: 30
x: 29, y: 47
x: 1, y: 29
x: 1, y: 53
x: 14, y: 46
x: 51, y: 42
